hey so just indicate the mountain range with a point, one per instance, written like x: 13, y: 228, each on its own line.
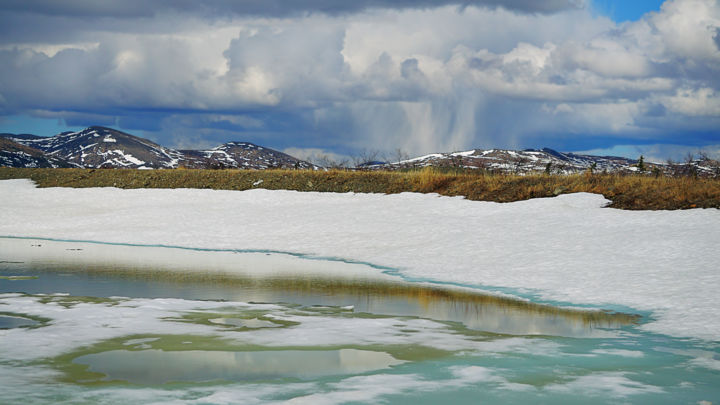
x: 521, y: 161
x: 101, y: 147
x: 552, y: 162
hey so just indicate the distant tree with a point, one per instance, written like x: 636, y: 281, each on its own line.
x: 456, y: 161
x: 548, y: 167
x: 641, y: 164
x: 707, y: 161
x: 400, y: 155
x: 396, y: 158
x: 673, y: 167
x: 329, y: 163
x: 593, y: 167
x: 364, y: 157
x: 690, y: 168
x: 519, y: 165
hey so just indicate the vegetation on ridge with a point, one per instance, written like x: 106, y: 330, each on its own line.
x: 625, y: 191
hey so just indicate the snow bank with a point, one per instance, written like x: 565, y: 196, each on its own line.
x: 567, y: 248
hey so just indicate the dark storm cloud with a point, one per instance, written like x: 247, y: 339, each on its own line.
x: 266, y: 8
x: 52, y: 21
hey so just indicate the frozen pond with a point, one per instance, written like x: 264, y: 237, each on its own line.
x: 97, y: 323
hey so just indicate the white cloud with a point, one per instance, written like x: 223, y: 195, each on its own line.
x: 610, y: 62
x: 530, y: 57
x: 687, y: 29
x: 317, y: 155
x: 694, y: 102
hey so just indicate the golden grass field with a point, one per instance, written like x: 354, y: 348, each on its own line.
x: 635, y: 192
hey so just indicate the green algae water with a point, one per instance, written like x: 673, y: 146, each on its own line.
x: 86, y: 323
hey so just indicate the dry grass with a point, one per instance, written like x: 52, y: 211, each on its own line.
x: 625, y: 192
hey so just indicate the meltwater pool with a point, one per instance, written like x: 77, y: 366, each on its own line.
x: 86, y: 322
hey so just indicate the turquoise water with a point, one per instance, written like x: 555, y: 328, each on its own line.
x: 322, y: 341
x: 154, y: 367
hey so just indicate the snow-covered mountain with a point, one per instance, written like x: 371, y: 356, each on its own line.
x: 14, y: 154
x: 100, y: 147
x: 524, y: 161
x: 242, y: 155
x: 548, y: 161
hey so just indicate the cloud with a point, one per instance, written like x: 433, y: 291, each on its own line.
x: 318, y: 156
x: 343, y: 76
x: 691, y: 102
x: 688, y: 28
x: 264, y: 8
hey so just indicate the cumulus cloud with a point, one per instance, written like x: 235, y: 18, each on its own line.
x: 342, y: 76
x: 691, y: 102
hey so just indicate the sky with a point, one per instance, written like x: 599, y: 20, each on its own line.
x: 340, y: 78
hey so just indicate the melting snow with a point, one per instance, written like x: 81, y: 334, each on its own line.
x: 128, y: 157
x: 566, y: 248
x: 87, y: 323
x: 466, y: 153
x: 433, y: 155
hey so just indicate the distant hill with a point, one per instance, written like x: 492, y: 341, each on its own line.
x: 15, y: 154
x: 513, y: 161
x: 242, y: 155
x: 548, y: 161
x: 100, y: 147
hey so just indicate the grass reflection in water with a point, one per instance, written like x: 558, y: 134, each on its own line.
x: 477, y: 311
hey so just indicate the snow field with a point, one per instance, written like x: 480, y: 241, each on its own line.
x: 566, y: 249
